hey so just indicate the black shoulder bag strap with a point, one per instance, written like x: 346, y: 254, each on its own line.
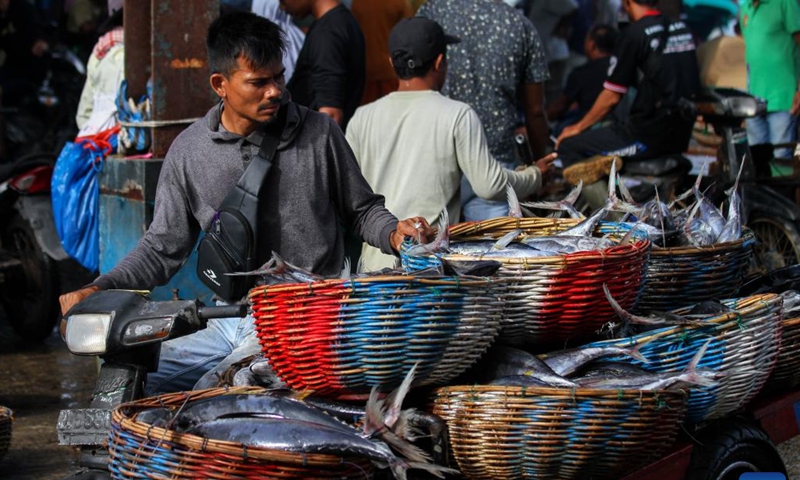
x: 244, y: 196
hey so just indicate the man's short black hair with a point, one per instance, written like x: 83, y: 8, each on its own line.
x: 243, y: 34
x: 604, y: 37
x: 405, y: 73
x: 649, y: 3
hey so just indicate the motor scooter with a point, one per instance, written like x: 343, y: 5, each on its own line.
x: 125, y: 330
x: 29, y: 247
x: 35, y: 131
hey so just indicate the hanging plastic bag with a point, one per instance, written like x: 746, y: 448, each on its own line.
x: 133, y: 138
x: 74, y: 193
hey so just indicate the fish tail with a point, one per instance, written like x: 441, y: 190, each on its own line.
x: 346, y: 268
x: 625, y: 315
x: 373, y: 417
x: 573, y: 194
x: 395, y: 399
x: 408, y: 452
x: 506, y: 239
x: 514, y: 208
x: 404, y: 429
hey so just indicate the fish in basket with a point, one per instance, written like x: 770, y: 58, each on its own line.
x: 742, y: 337
x: 705, y: 254
x: 252, y: 432
x: 553, y: 268
x: 565, y: 415
x: 346, y: 335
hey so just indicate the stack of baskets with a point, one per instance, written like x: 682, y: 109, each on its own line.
x: 683, y: 276
x: 140, y: 450
x: 557, y: 298
x: 6, y: 417
x: 341, y: 337
x: 551, y: 433
x: 743, y: 351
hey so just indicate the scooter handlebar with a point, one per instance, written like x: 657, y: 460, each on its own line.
x: 222, y: 311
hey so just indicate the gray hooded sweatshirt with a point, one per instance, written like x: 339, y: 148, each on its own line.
x: 313, y: 185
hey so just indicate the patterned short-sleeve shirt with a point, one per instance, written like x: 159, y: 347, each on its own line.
x: 499, y: 53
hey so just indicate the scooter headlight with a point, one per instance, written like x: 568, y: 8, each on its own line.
x: 87, y: 333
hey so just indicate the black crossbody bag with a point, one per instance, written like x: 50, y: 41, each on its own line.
x: 230, y: 243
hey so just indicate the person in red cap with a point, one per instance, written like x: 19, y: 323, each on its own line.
x: 414, y: 144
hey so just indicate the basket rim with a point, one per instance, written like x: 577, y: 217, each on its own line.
x: 463, y: 281
x: 189, y: 441
x: 580, y: 392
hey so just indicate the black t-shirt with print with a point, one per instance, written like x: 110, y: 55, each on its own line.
x: 330, y: 67
x: 586, y: 82
x: 662, y: 74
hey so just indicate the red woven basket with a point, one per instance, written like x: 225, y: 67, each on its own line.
x: 558, y: 298
x: 342, y: 337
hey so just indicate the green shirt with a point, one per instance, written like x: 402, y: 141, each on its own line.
x: 771, y: 52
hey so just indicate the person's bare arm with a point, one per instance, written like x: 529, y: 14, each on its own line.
x: 337, y: 114
x: 605, y: 102
x: 536, y: 118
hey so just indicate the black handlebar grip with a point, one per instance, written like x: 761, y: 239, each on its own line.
x: 222, y: 311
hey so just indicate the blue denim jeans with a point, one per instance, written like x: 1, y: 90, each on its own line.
x: 475, y: 208
x: 192, y: 362
x: 773, y: 128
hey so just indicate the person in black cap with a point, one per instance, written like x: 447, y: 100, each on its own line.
x: 414, y: 144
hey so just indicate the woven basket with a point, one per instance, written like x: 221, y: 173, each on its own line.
x: 346, y: 336
x: 6, y: 417
x: 786, y: 374
x: 682, y: 276
x: 550, y: 433
x: 139, y: 450
x: 744, y: 347
x: 558, y: 298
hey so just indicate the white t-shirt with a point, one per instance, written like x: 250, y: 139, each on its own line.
x: 413, y: 147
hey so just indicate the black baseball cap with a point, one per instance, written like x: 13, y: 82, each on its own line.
x: 417, y: 40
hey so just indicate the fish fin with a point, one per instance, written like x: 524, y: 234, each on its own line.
x: 635, y: 353
x: 527, y: 213
x: 373, y: 416
x: 395, y: 399
x: 573, y: 194
x: 625, y: 315
x: 346, y: 268
x: 542, y: 205
x: 738, y: 176
x: 514, y: 208
x: 661, y: 220
x: 506, y: 239
x: 407, y: 450
x: 692, y: 367
x: 404, y: 429
x: 266, y: 269
x: 360, y: 266
x: 399, y: 470
x: 626, y: 194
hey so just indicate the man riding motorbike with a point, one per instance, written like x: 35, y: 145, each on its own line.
x: 656, y: 56
x: 314, y: 183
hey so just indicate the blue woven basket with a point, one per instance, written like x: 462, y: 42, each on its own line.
x: 683, y: 276
x: 744, y: 348
x: 346, y: 336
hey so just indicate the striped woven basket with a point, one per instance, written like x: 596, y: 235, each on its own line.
x: 682, y: 276
x: 342, y: 337
x: 140, y: 450
x: 786, y: 374
x: 743, y: 349
x: 6, y: 417
x: 551, y: 433
x: 558, y: 298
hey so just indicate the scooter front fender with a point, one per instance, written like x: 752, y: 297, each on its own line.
x: 38, y: 212
x: 765, y: 199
